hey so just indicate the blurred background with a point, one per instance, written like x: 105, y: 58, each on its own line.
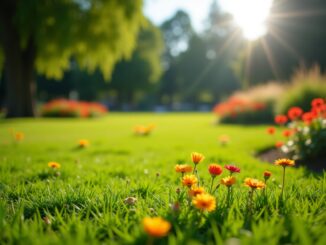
x: 228, y: 56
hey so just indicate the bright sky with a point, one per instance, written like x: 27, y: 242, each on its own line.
x: 160, y: 10
x: 249, y: 14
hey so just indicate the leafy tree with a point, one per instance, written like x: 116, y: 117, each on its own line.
x: 42, y: 35
x: 177, y: 33
x: 143, y: 70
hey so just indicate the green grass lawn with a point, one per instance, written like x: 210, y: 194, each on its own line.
x: 85, y: 203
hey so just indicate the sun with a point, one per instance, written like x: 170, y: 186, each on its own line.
x: 249, y: 15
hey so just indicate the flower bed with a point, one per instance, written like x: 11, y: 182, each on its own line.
x: 305, y: 136
x: 238, y: 110
x: 71, y: 108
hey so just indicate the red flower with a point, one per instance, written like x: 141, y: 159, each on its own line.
x: 215, y: 169
x: 232, y: 168
x: 280, y: 119
x: 267, y: 174
x: 294, y: 113
x: 287, y: 133
x: 279, y: 144
x: 319, y: 110
x: 271, y: 130
x: 317, y: 102
x: 308, y: 117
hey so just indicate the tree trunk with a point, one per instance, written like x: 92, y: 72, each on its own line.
x: 19, y: 67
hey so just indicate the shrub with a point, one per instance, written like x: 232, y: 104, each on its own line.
x: 304, y: 87
x: 306, y: 133
x: 243, y: 111
x: 71, y: 108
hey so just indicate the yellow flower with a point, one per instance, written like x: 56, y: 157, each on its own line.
x: 54, y: 165
x: 144, y: 130
x: 205, y: 202
x: 19, y: 136
x: 254, y: 183
x: 197, y: 157
x: 228, y: 181
x: 183, y: 168
x: 189, y: 180
x: 284, y: 162
x: 194, y: 191
x: 156, y: 227
x: 83, y: 143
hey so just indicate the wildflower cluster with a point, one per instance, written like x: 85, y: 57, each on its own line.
x: 305, y: 136
x: 205, y: 201
x: 72, y: 108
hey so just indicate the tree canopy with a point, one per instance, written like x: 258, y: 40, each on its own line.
x: 43, y: 36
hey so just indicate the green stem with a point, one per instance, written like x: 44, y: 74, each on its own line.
x: 218, y: 185
x: 283, y: 182
x: 150, y: 240
x: 250, y: 201
x: 210, y: 190
x: 229, y: 195
x: 193, y: 172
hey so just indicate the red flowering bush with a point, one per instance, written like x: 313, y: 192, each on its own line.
x: 239, y: 110
x: 305, y: 137
x: 71, y: 108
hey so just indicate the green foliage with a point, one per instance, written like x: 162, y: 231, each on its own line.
x: 144, y: 68
x: 85, y: 203
x: 96, y: 33
x: 301, y: 95
x: 2, y: 59
x: 250, y: 117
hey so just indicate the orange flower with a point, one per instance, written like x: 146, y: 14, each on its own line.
x: 267, y: 175
x: 205, y: 202
x: 183, y: 168
x: 279, y: 144
x: 54, y: 165
x: 144, y: 130
x: 284, y: 162
x: 19, y: 136
x: 189, y: 180
x: 83, y: 143
x: 287, y: 133
x: 194, y: 191
x: 156, y: 227
x: 254, y: 183
x: 197, y: 157
x: 215, y: 169
x: 270, y: 130
x: 228, y: 181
